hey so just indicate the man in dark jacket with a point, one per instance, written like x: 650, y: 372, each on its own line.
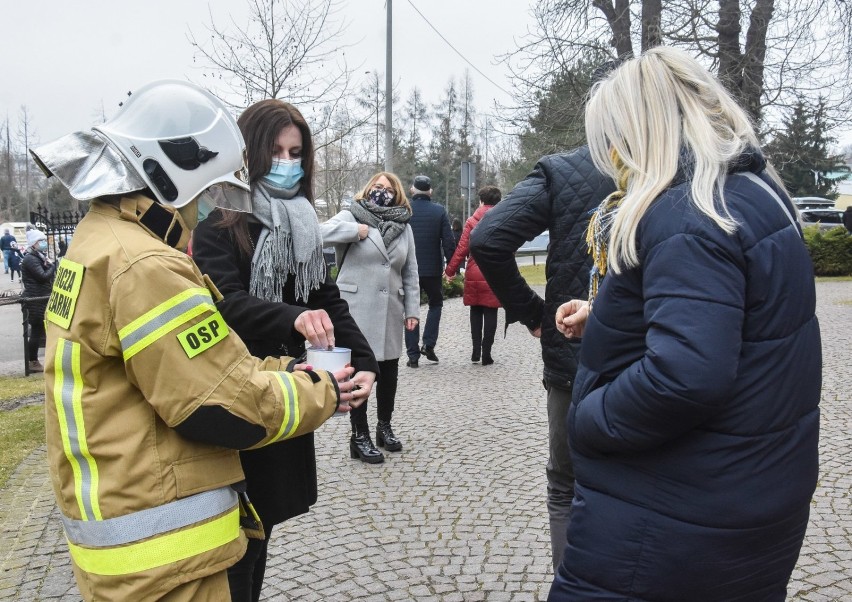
x: 432, y: 235
x: 6, y: 246
x: 558, y: 195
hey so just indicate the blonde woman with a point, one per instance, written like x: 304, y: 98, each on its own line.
x: 377, y: 276
x: 695, y: 420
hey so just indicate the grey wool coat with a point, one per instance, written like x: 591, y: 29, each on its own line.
x: 381, y: 285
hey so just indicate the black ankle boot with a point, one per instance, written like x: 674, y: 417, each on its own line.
x: 386, y: 438
x: 474, y: 357
x: 361, y: 446
x: 487, y: 360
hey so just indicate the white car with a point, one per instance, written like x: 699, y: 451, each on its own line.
x: 812, y: 202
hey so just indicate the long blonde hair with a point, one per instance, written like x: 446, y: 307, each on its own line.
x: 640, y: 120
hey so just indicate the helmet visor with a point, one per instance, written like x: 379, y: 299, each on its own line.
x: 227, y: 196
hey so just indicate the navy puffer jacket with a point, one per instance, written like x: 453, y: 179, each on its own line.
x: 695, y: 422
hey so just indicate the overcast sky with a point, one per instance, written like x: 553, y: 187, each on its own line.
x: 65, y: 60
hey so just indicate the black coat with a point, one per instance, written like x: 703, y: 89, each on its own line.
x: 558, y: 195
x: 694, y: 427
x: 281, y: 478
x: 432, y: 235
x: 37, y: 275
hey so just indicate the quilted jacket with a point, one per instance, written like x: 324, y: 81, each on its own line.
x: 558, y: 195
x: 694, y: 427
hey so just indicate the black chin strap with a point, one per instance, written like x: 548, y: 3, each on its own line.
x: 162, y: 223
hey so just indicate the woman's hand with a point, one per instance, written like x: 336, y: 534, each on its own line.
x: 571, y: 318
x: 363, y: 385
x: 363, y: 230
x: 316, y: 327
x: 411, y: 323
x: 349, y: 389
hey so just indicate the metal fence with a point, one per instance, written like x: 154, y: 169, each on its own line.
x: 58, y: 227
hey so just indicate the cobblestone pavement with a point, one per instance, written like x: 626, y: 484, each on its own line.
x: 460, y: 514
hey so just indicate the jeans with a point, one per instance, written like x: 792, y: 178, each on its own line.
x: 560, y: 470
x: 433, y: 288
x: 7, y: 253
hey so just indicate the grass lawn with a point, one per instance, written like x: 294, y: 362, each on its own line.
x: 21, y: 429
x: 533, y: 274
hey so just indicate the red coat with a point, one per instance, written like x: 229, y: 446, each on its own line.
x: 476, y: 289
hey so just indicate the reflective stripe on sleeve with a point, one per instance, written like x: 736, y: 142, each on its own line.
x: 67, y: 397
x: 161, y: 550
x: 151, y: 326
x: 291, y: 419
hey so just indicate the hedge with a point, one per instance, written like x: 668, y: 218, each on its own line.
x: 831, y: 250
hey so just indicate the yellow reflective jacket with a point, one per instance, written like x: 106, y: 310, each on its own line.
x: 135, y: 345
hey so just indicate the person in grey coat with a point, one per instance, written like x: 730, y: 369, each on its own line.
x: 374, y: 248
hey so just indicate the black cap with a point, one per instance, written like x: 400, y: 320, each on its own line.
x: 422, y: 183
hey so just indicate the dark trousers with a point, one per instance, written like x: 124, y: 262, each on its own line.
x: 483, y: 326
x: 560, y: 470
x: 36, y: 335
x: 245, y: 578
x: 431, y: 285
x: 385, y: 396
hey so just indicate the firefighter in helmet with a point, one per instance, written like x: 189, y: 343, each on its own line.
x: 148, y: 393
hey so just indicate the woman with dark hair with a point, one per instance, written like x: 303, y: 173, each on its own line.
x: 378, y: 277
x: 269, y: 267
x: 478, y: 295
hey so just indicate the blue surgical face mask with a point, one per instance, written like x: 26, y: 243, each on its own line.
x: 285, y: 173
x: 42, y: 246
x: 205, y: 208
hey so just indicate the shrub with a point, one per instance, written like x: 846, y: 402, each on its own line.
x: 450, y: 288
x: 831, y: 250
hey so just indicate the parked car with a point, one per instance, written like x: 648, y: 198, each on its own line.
x: 824, y: 218
x: 536, y: 246
x: 812, y: 202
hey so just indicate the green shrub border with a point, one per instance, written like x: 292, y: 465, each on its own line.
x: 830, y: 250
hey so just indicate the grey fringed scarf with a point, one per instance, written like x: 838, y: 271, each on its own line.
x: 390, y: 221
x: 290, y: 243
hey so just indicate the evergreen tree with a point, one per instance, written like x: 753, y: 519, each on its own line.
x: 558, y: 123
x: 801, y: 152
x: 443, y: 169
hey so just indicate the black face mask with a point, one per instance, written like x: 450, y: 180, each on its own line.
x: 382, y: 198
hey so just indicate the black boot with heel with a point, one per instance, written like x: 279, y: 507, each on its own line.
x: 386, y: 438
x: 361, y: 447
x: 487, y: 360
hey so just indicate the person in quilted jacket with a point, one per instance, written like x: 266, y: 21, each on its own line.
x: 558, y: 196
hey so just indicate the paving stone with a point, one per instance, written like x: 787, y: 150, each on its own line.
x: 460, y: 514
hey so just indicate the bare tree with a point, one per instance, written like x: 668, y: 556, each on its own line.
x: 768, y: 53
x: 27, y: 137
x: 288, y: 49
